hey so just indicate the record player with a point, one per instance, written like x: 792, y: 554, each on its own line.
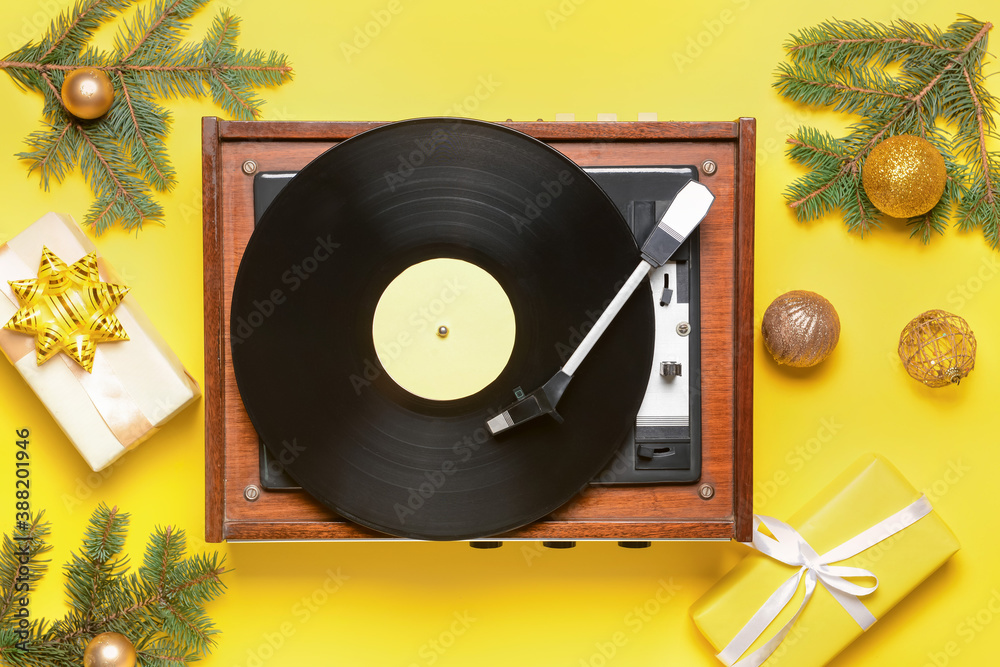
x: 654, y: 437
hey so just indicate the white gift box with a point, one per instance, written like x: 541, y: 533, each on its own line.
x: 136, y: 385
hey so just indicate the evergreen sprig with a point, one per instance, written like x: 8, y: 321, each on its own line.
x: 160, y: 608
x: 843, y: 65
x: 122, y: 154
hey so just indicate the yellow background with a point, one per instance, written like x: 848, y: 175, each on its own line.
x: 532, y: 606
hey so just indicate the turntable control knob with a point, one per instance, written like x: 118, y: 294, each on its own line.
x: 670, y: 369
x: 485, y: 544
x: 558, y: 544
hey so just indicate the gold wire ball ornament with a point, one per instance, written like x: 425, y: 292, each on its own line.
x: 904, y: 176
x: 87, y: 93
x: 800, y: 328
x: 109, y: 649
x: 938, y: 348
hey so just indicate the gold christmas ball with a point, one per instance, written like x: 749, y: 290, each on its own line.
x: 937, y: 348
x: 904, y: 176
x: 109, y: 649
x: 87, y: 93
x: 800, y: 328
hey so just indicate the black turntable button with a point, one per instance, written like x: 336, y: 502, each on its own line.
x: 558, y: 544
x: 635, y: 545
x: 484, y: 544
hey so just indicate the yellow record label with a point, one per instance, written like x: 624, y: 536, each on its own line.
x: 443, y: 329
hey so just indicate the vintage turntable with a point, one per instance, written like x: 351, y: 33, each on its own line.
x: 677, y: 429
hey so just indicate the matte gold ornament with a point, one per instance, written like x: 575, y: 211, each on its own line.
x: 68, y: 309
x: 109, y: 649
x: 938, y: 348
x: 800, y: 328
x: 87, y: 93
x: 904, y: 176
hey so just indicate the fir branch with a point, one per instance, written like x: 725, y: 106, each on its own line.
x: 186, y: 626
x: 221, y: 27
x: 123, y: 154
x: 153, y: 162
x: 872, y: 41
x: 840, y: 65
x: 983, y: 154
x: 161, y: 610
x: 73, y: 23
x: 201, y: 578
x: 164, y: 13
x: 91, y: 571
x: 53, y: 151
x: 165, y: 562
x: 229, y: 97
x: 105, y: 536
x: 71, y: 30
x: 100, y: 173
x: 207, y: 69
x: 859, y: 214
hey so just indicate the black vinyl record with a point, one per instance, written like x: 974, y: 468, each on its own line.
x: 316, y: 266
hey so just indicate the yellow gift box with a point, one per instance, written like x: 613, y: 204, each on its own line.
x: 871, y: 493
x: 136, y: 385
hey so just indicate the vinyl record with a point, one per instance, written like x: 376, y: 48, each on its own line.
x: 315, y: 269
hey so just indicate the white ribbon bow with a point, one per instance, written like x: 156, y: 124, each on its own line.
x: 788, y: 547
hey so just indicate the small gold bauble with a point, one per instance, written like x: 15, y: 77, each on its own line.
x: 937, y: 348
x: 109, y: 649
x: 904, y: 176
x: 87, y: 93
x: 800, y: 328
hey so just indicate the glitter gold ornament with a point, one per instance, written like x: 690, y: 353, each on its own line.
x: 904, y: 176
x: 109, y: 649
x: 800, y: 328
x: 938, y: 348
x: 87, y: 93
x: 68, y: 309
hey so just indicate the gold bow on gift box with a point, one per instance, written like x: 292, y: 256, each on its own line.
x: 68, y: 308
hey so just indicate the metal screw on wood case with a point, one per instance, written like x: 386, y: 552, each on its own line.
x: 683, y: 329
x: 249, y: 167
x: 706, y: 491
x: 251, y: 492
x: 709, y: 167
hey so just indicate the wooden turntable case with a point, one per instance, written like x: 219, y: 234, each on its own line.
x: 718, y: 506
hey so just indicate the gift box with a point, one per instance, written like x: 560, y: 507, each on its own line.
x: 853, y: 552
x: 135, y: 386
